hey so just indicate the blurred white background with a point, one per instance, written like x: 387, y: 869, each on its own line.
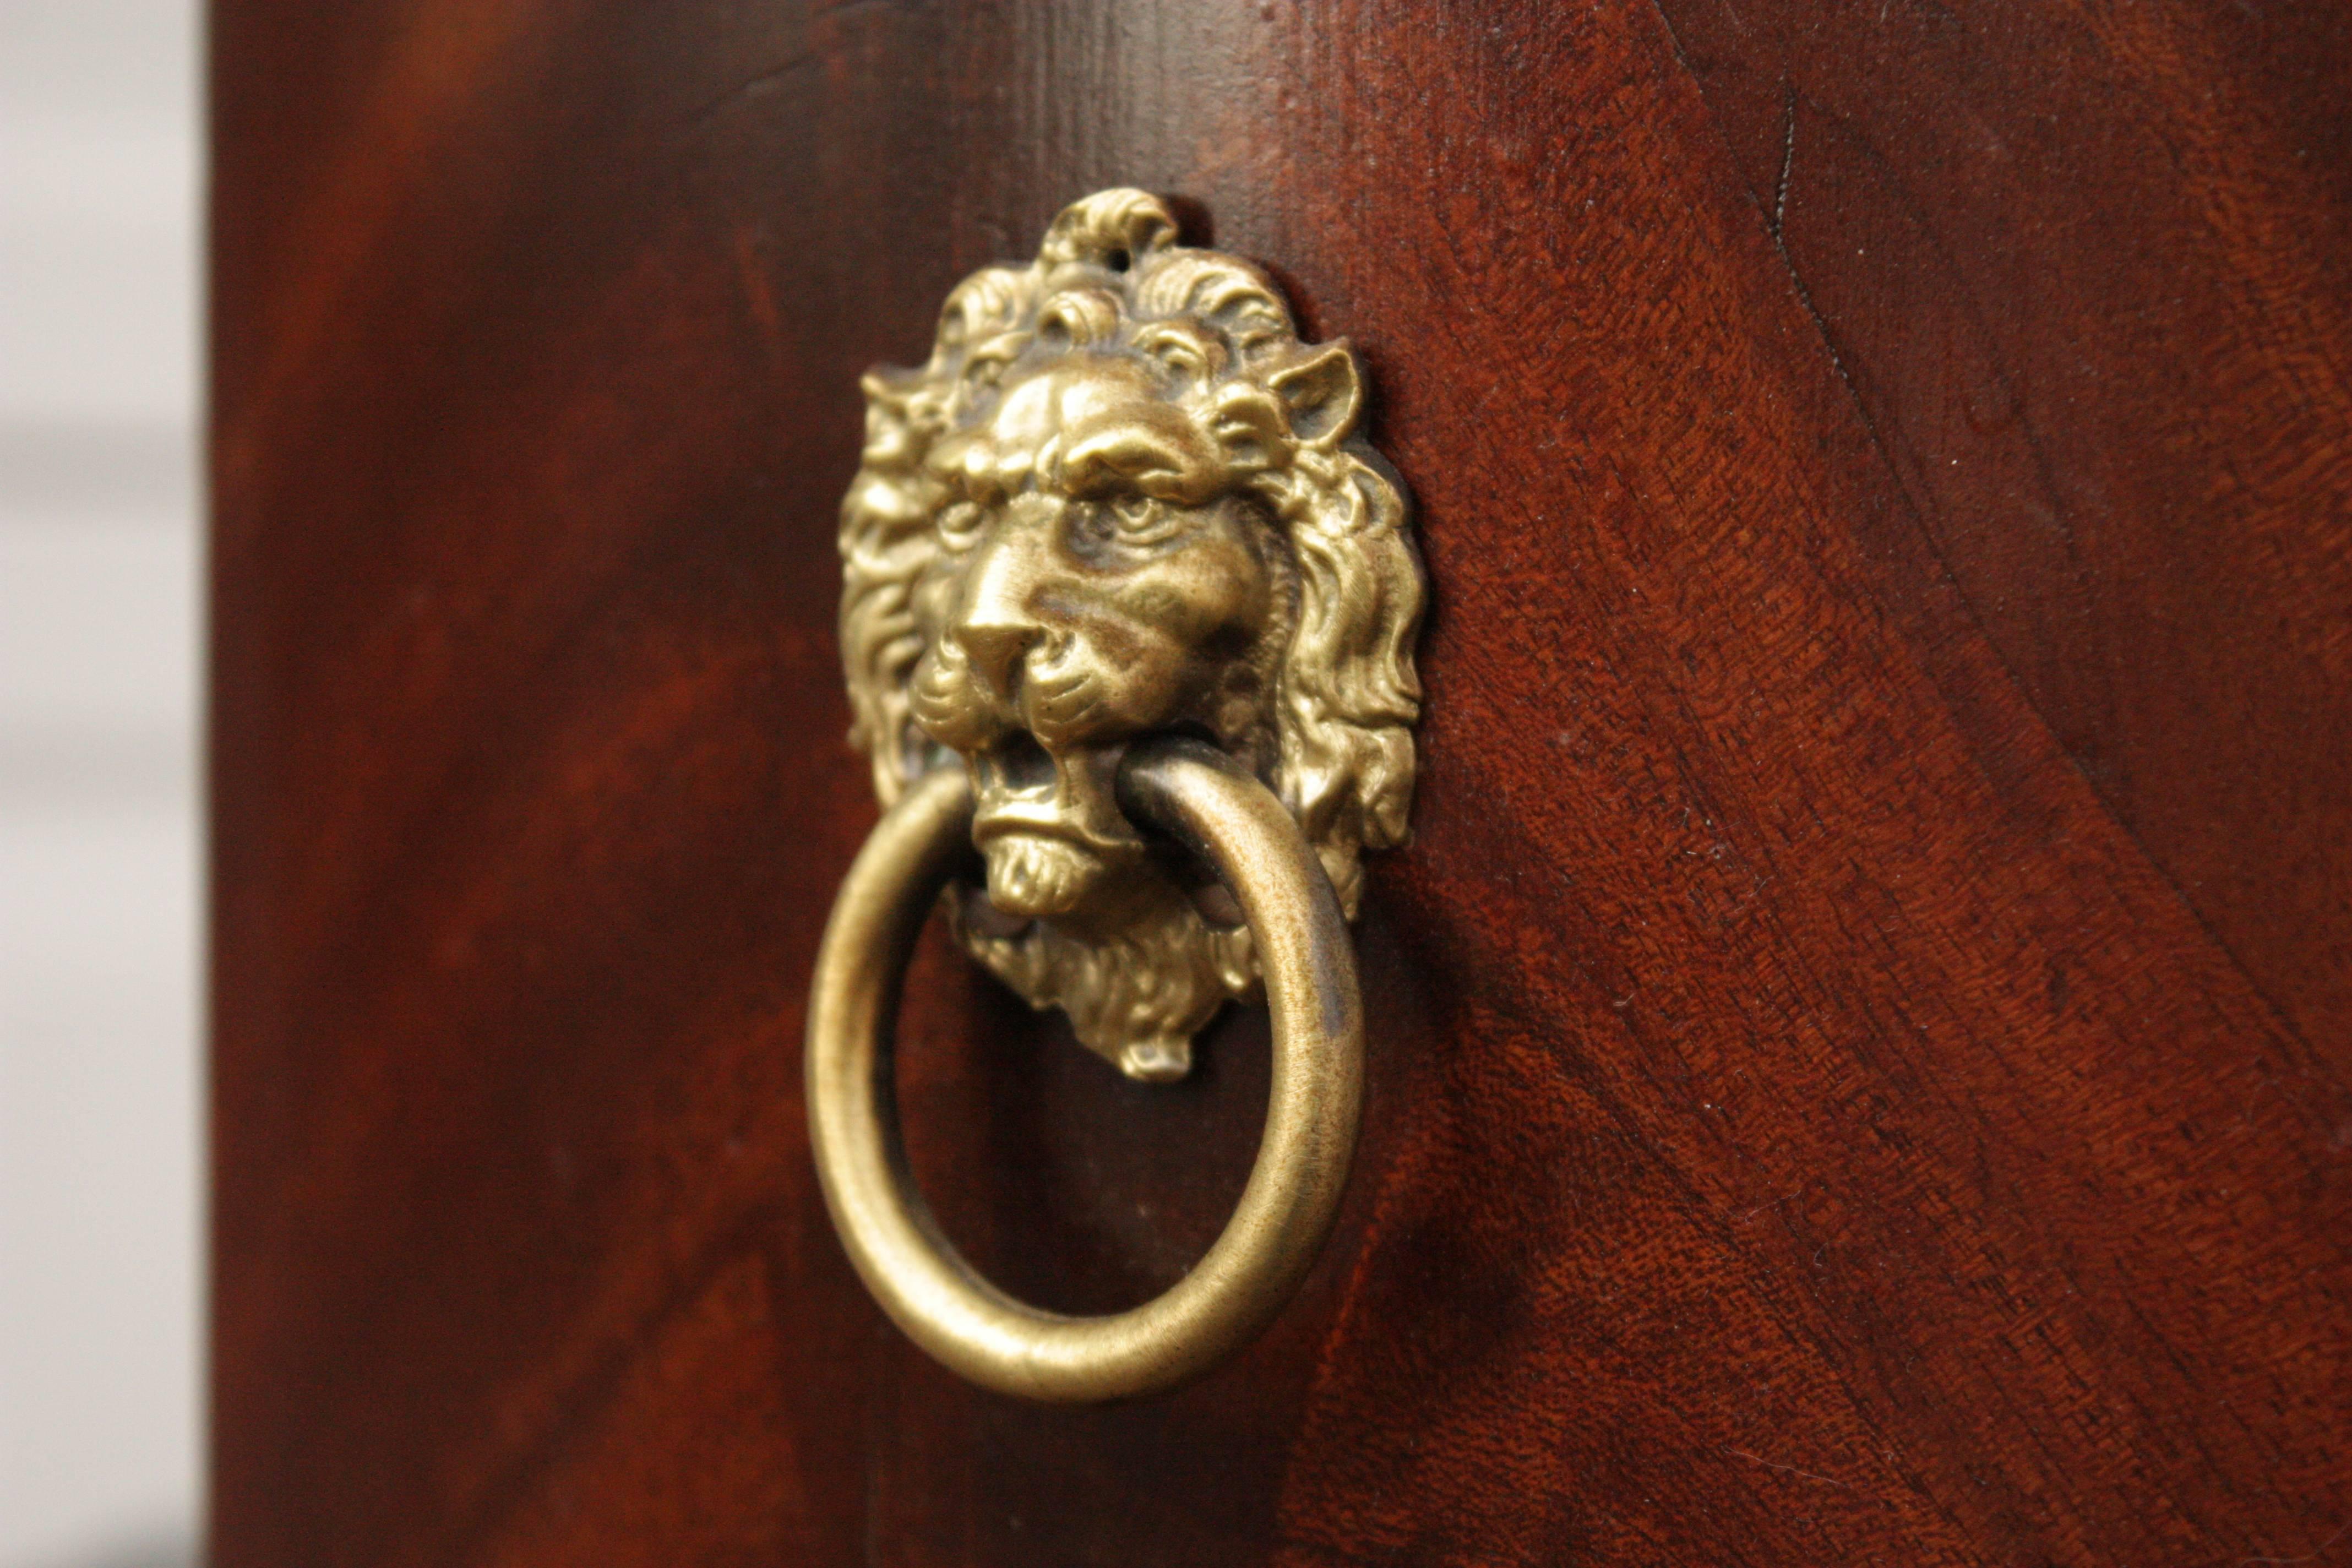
x: 99, y: 160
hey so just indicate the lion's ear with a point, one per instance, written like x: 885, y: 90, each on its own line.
x: 1322, y: 393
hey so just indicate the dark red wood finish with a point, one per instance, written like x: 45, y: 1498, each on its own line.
x: 1859, y: 1068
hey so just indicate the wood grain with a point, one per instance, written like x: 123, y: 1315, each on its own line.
x: 1859, y: 1068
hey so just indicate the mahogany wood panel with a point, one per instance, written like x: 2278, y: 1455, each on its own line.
x: 1860, y: 1044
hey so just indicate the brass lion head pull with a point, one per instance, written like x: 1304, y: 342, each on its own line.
x: 1130, y: 604
x: 1124, y: 499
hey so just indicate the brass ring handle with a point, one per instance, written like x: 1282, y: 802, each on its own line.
x: 1212, y: 804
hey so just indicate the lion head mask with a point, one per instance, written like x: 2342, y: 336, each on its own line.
x: 1123, y: 498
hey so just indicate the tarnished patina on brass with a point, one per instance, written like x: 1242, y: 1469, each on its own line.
x: 1122, y: 499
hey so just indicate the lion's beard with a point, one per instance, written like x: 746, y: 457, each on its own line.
x: 1137, y: 994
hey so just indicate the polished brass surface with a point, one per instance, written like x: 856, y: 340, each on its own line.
x: 1212, y: 804
x: 1123, y: 498
x: 1128, y: 620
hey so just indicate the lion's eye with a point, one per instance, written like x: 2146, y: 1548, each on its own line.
x: 1182, y: 361
x: 960, y: 525
x: 1130, y: 520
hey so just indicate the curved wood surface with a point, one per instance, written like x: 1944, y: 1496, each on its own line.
x: 1859, y: 1047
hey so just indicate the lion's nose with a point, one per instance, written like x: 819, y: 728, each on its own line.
x: 995, y: 649
x: 996, y: 626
